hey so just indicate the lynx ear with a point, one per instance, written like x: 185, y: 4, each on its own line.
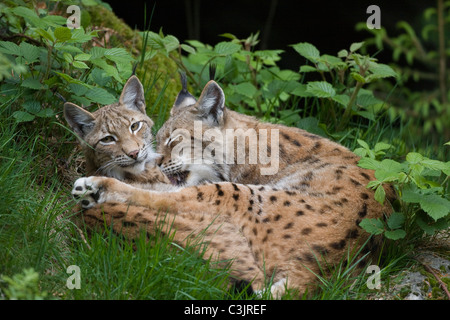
x: 184, y: 98
x: 211, y: 103
x: 80, y: 120
x: 132, y: 96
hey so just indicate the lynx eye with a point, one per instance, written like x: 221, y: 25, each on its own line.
x: 108, y: 140
x: 136, y: 126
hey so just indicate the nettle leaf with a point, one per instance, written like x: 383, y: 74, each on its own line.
x: 342, y: 99
x: 171, y: 43
x: 356, y: 46
x: 10, y: 48
x: 82, y: 57
x: 368, y: 163
x: 436, y: 206
x: 22, y: 116
x: 29, y: 52
x: 380, y: 194
x: 396, y: 220
x: 246, y: 88
x: 380, y: 70
x: 62, y: 34
x: 321, y: 89
x: 395, y: 234
x: 32, y: 106
x: 100, y: 95
x: 414, y: 157
x: 46, y: 113
x: 382, y: 146
x: 226, y: 48
x: 188, y: 49
x: 80, y: 65
x: 32, y: 84
x: 308, y: 51
x: 372, y: 226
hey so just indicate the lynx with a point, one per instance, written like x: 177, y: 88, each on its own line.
x: 271, y: 226
x: 117, y: 140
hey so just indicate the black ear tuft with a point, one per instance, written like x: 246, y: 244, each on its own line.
x: 212, y: 71
x: 184, y: 98
x: 132, y: 96
x: 80, y: 120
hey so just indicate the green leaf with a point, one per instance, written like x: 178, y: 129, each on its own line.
x: 321, y: 89
x: 363, y: 144
x: 62, y: 34
x: 100, y: 95
x: 342, y: 54
x: 356, y: 46
x: 10, y: 48
x: 436, y: 165
x: 307, y: 68
x: 414, y: 157
x: 171, y: 43
x: 395, y: 234
x: 46, y: 34
x: 392, y: 166
x: 380, y: 70
x: 436, y: 206
x: 32, y: 84
x: 32, y: 106
x: 80, y: 65
x: 82, y: 57
x: 22, y: 116
x: 342, y: 99
x: 368, y: 163
x: 46, y: 113
x: 68, y: 57
x: 411, y: 194
x: 372, y: 226
x: 188, y: 49
x: 246, y: 88
x: 358, y: 77
x: 382, y: 146
x: 380, y: 194
x: 396, y: 220
x: 29, y: 52
x: 226, y: 48
x: 308, y: 51
x: 430, y: 227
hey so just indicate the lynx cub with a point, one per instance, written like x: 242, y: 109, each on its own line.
x: 273, y: 226
x: 117, y: 139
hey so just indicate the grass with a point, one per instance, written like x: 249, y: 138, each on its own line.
x: 38, y: 240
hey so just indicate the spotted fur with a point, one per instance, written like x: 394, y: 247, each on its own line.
x: 271, y: 226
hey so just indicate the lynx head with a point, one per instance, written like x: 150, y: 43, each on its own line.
x: 116, y: 139
x: 184, y: 141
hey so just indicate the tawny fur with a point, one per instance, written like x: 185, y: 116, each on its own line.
x: 274, y: 226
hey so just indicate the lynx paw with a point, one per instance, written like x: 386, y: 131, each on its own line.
x: 88, y: 190
x: 277, y: 290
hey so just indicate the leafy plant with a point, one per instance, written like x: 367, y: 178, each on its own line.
x: 342, y: 80
x: 56, y: 59
x: 422, y: 186
x: 23, y: 286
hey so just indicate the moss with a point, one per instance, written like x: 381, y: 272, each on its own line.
x: 122, y: 35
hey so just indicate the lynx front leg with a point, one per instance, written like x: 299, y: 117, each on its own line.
x: 94, y: 190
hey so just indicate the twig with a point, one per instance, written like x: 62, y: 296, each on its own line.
x: 441, y: 283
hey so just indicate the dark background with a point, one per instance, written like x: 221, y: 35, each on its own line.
x: 329, y: 25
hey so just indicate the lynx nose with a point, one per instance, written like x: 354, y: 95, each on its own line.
x: 133, y: 154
